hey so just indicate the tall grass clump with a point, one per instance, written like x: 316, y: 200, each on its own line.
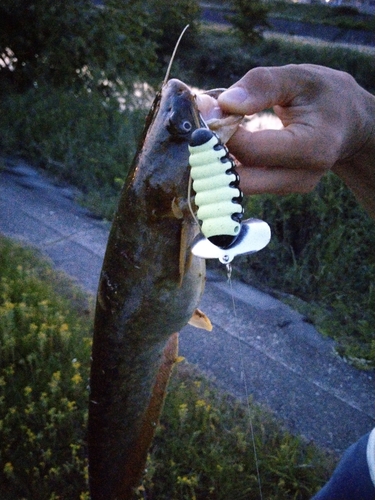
x: 81, y: 138
x: 44, y: 359
x: 322, y: 252
x: 204, y: 450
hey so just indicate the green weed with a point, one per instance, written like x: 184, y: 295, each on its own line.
x: 80, y: 138
x: 321, y: 251
x: 203, y: 450
x: 45, y: 349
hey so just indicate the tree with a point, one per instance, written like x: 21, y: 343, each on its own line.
x: 249, y: 20
x: 73, y: 42
x: 168, y: 19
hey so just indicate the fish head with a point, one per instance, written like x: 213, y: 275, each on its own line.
x: 162, y: 163
x: 182, y: 110
x: 174, y: 114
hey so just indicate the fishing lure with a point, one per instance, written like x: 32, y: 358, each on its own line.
x: 218, y: 198
x: 216, y: 185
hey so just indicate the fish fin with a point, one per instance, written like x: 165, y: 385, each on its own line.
x: 185, y: 256
x: 176, y: 209
x: 200, y: 320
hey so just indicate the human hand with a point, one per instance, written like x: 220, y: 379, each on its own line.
x: 327, y: 120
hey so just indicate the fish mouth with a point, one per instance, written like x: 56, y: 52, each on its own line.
x: 223, y: 124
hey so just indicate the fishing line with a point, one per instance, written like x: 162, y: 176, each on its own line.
x: 243, y: 377
x: 173, y: 55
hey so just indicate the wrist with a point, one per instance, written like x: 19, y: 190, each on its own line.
x: 358, y: 169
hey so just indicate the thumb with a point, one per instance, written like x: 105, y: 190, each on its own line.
x: 261, y: 88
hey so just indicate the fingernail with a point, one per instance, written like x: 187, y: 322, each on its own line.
x: 235, y: 95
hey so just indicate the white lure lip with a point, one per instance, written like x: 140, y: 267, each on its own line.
x: 254, y: 236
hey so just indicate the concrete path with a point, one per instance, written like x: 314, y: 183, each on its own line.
x: 289, y: 367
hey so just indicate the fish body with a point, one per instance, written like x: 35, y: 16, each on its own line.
x: 149, y: 287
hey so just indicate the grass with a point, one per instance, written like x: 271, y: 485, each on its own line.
x: 45, y: 347
x: 82, y: 139
x: 203, y: 447
x: 321, y: 252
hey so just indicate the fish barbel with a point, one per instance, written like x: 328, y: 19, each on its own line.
x: 150, y: 286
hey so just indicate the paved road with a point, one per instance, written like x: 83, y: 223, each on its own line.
x: 289, y: 367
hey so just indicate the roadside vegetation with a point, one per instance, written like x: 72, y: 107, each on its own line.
x: 203, y: 447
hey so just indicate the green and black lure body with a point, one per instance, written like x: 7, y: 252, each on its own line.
x: 218, y: 197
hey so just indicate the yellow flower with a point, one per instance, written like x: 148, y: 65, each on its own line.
x: 183, y: 411
x: 200, y: 403
x: 55, y: 380
x: 30, y: 435
x: 71, y: 405
x: 27, y: 390
x: 8, y: 469
x: 76, y: 379
x: 33, y: 327
x: 76, y: 364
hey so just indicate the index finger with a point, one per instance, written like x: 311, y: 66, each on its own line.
x: 291, y: 148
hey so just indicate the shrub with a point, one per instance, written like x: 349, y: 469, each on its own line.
x: 249, y: 20
x: 73, y: 43
x: 167, y: 20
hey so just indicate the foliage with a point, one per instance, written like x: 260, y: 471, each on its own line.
x: 45, y: 349
x: 72, y: 43
x: 278, y: 51
x: 203, y: 446
x: 204, y: 450
x: 167, y: 20
x: 249, y: 20
x: 81, y: 138
x: 322, y: 252
x: 225, y: 60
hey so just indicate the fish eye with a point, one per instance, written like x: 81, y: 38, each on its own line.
x: 187, y: 126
